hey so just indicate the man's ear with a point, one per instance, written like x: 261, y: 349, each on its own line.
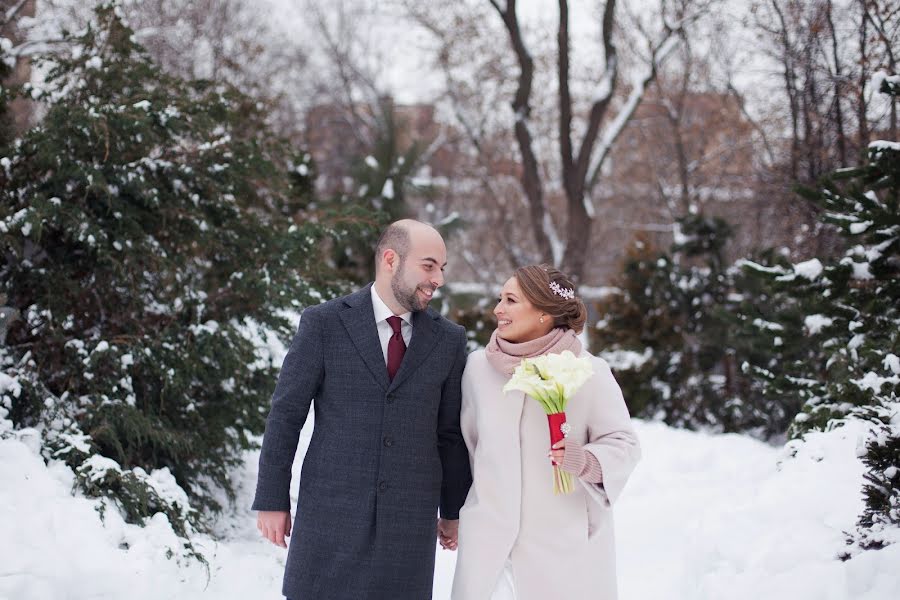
x: 390, y: 259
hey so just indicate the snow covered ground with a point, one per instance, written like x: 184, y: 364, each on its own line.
x: 705, y: 517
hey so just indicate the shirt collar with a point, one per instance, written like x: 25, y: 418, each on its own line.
x: 382, y: 312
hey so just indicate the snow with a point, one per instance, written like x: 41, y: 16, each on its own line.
x: 9, y: 385
x: 711, y: 516
x: 763, y: 324
x: 557, y: 248
x: 626, y: 360
x: 816, y: 323
x: 388, y: 190
x: 879, y: 145
x: 892, y: 362
x: 861, y: 270
x: 873, y: 381
x: 758, y: 267
x: 857, y: 228
x: 810, y: 269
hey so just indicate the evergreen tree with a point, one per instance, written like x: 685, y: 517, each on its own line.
x: 148, y: 242
x: 383, y: 180
x: 846, y: 313
x: 668, y: 334
x: 765, y: 336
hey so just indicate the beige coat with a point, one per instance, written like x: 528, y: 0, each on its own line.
x: 560, y: 546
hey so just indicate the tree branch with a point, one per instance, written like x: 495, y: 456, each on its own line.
x: 348, y: 75
x: 530, y: 178
x: 34, y: 47
x: 838, y: 85
x: 565, y: 101
x: 11, y: 13
x: 607, y: 86
x: 658, y: 55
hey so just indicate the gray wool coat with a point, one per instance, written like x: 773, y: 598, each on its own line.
x: 384, y: 455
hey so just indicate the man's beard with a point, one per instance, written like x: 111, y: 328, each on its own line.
x: 406, y: 296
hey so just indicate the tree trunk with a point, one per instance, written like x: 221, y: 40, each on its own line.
x: 838, y: 88
x: 530, y: 177
x: 790, y: 85
x: 862, y: 107
x: 21, y: 109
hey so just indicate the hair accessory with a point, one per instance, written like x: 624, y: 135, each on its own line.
x: 562, y: 292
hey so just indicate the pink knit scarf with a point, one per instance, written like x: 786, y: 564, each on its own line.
x: 505, y: 356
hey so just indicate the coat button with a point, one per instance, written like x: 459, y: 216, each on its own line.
x: 388, y: 441
x: 382, y: 486
x: 390, y: 398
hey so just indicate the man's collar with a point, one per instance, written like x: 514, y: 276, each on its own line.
x: 382, y: 312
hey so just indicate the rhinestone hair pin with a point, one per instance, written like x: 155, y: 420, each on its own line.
x: 562, y: 292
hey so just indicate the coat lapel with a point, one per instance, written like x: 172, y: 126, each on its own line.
x: 425, y: 335
x: 359, y: 320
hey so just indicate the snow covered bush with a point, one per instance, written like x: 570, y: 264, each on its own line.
x: 668, y: 334
x: 846, y: 313
x: 151, y: 245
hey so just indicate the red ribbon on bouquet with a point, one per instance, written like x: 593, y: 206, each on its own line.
x: 556, y: 422
x: 559, y: 429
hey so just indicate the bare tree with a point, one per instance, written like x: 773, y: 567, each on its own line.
x: 839, y: 84
x: 475, y: 71
x: 580, y: 164
x: 351, y: 68
x: 229, y: 41
x: 824, y: 70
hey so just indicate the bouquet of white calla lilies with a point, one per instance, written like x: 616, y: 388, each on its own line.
x: 552, y: 380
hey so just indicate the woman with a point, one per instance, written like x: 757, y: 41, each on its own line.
x: 517, y: 540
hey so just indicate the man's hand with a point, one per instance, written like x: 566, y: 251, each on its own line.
x: 448, y: 533
x: 274, y: 526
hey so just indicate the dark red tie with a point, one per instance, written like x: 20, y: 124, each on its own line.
x: 396, y: 347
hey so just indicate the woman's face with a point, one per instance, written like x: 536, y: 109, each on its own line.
x: 517, y: 318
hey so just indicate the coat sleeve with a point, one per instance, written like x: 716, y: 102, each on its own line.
x: 298, y: 383
x: 457, y: 475
x: 611, y: 437
x: 468, y: 417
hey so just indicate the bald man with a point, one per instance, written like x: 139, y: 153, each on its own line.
x: 387, y: 455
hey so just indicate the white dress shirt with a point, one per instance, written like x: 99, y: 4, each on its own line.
x: 382, y: 312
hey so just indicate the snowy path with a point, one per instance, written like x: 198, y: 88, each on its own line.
x: 703, y: 518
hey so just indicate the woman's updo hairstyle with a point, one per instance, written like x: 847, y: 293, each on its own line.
x: 551, y: 292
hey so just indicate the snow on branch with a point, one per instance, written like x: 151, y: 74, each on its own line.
x: 11, y: 13
x: 34, y: 47
x: 557, y: 247
x: 621, y: 119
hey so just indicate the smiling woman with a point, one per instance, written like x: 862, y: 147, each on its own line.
x: 517, y: 538
x: 535, y: 300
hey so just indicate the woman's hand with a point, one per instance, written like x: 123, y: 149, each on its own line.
x: 557, y: 452
x: 448, y: 533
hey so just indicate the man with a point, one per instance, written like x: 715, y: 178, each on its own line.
x: 384, y: 372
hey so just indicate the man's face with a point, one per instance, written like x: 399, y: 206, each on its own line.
x: 421, y: 273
